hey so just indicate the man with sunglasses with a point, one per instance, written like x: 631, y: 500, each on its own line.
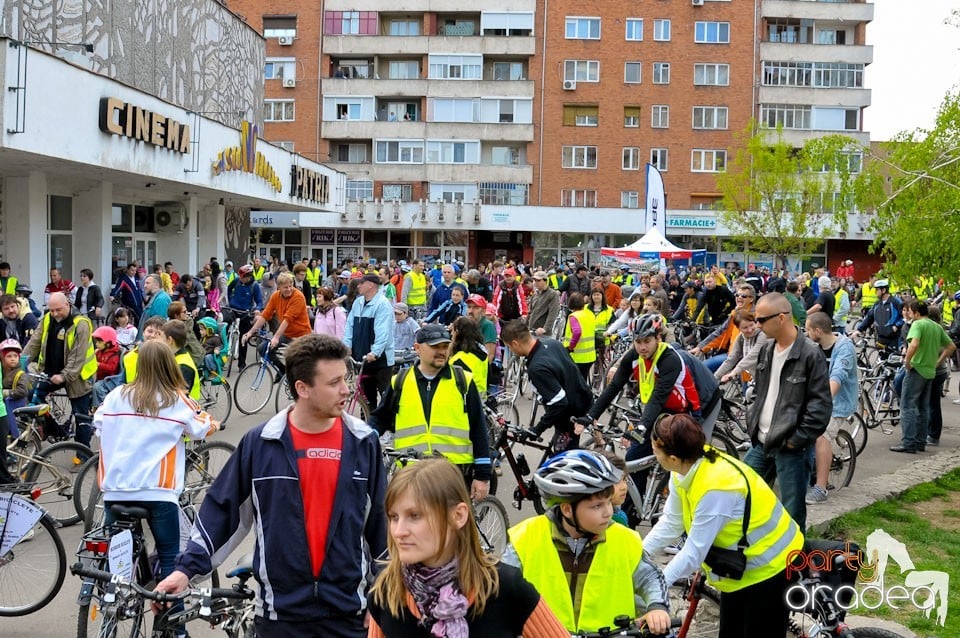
x: 719, y: 341
x: 792, y: 407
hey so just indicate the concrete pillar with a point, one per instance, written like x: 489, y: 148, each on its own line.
x: 25, y: 212
x: 212, y: 226
x: 92, y: 228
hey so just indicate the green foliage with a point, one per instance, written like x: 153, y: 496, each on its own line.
x: 783, y: 200
x: 913, y: 184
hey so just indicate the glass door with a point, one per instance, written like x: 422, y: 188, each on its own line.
x: 324, y: 257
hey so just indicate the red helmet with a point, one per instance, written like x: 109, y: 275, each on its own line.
x: 245, y: 270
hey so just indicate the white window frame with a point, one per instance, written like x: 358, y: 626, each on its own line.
x: 661, y: 73
x: 659, y: 157
x: 362, y: 189
x: 705, y: 160
x: 660, y: 116
x: 445, y: 151
x: 282, y: 69
x: 661, y: 30
x: 404, y: 66
x: 285, y: 145
x: 790, y: 116
x: 491, y: 110
x: 711, y: 117
x: 397, y: 22
x: 634, y: 30
x: 579, y: 24
x: 579, y: 157
x: 406, y: 192
x: 629, y: 199
x: 409, y: 147
x: 449, y: 109
x: 702, y: 32
x: 590, y: 68
x: 273, y: 105
x: 637, y: 67
x: 455, y: 67
x: 578, y: 198
x: 711, y: 73
x: 630, y: 160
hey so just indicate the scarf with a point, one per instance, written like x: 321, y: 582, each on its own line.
x: 442, y: 607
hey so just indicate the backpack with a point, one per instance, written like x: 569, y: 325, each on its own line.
x: 458, y: 376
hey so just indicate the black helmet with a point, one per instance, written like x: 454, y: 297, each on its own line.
x: 650, y: 325
x: 25, y: 289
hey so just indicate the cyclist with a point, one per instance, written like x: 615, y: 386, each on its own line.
x: 887, y: 314
x: 576, y: 539
x: 579, y: 335
x: 723, y: 336
x: 245, y: 295
x: 175, y: 333
x: 289, y: 307
x: 709, y: 493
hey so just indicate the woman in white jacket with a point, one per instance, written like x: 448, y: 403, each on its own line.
x: 141, y: 427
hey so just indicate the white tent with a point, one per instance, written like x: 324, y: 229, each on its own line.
x: 651, y: 246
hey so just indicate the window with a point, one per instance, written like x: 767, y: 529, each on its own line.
x: 506, y: 23
x: 790, y: 30
x: 852, y: 159
x: 795, y: 116
x: 287, y: 146
x: 661, y: 30
x: 837, y: 74
x: 658, y: 157
x: 351, y: 153
x: 456, y: 67
x: 451, y: 193
x: 350, y: 23
x: 503, y: 194
x: 505, y: 110
x: 631, y: 72
x: 280, y: 68
x: 453, y: 152
x: 348, y: 108
x: 660, y: 116
x: 708, y: 161
x: 583, y: 29
x: 578, y: 115
x: 581, y: 70
x: 631, y: 116
x: 711, y: 74
x: 710, y: 117
x: 453, y: 110
x: 579, y: 157
x: 711, y: 32
x: 508, y: 71
x: 278, y: 110
x: 631, y: 158
x: 359, y: 189
x: 634, y: 29
x: 629, y: 199
x: 661, y: 73
x: 831, y: 36
x: 833, y: 118
x: 577, y: 197
x: 403, y: 70
x: 399, y: 152
x: 401, y: 192
x: 279, y: 26
x: 505, y: 156
x: 404, y: 27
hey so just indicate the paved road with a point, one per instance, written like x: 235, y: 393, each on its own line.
x: 58, y: 620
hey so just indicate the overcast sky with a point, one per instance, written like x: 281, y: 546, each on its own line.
x: 916, y: 60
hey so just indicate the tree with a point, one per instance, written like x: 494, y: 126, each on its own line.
x: 237, y: 226
x: 785, y: 201
x: 913, y: 185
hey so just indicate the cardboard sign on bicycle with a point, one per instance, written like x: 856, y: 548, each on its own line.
x: 17, y: 517
x: 121, y: 554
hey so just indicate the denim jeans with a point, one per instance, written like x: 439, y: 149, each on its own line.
x: 714, y: 362
x: 936, y: 412
x: 914, y: 410
x: 164, y: 522
x: 793, y: 468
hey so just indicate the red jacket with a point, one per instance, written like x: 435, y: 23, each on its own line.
x: 108, y: 362
x: 517, y: 290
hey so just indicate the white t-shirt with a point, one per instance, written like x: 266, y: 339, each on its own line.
x: 773, y: 390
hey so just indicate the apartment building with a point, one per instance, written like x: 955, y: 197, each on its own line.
x: 468, y: 133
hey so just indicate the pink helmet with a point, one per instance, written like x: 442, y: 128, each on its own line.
x: 106, y: 333
x: 10, y: 344
x: 491, y: 309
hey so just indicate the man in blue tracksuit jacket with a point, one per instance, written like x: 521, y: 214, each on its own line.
x: 260, y: 489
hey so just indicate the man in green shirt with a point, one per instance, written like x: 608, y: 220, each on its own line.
x: 927, y: 347
x: 796, y: 306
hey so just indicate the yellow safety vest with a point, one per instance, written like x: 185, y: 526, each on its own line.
x: 89, y: 368
x: 555, y: 280
x: 418, y: 289
x: 449, y: 429
x: 130, y: 365
x: 11, y: 288
x: 313, y: 277
x: 585, y: 351
x: 476, y: 367
x: 185, y: 359
x: 258, y: 273
x: 601, y: 321
x: 868, y: 295
x: 647, y: 380
x: 608, y: 589
x: 771, y: 532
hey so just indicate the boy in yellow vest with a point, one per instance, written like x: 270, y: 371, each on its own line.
x: 587, y: 569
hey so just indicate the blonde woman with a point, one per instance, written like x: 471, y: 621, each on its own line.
x: 438, y: 582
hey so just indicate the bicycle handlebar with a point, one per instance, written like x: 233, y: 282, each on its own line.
x: 234, y: 593
x: 625, y: 626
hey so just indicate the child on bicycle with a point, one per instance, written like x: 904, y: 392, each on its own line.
x: 619, y: 495
x: 212, y: 345
x: 107, y: 350
x: 16, y: 388
x: 576, y: 541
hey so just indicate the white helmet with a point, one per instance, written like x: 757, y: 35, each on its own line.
x: 574, y: 475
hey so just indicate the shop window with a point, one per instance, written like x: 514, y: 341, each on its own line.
x: 143, y: 219
x: 61, y: 213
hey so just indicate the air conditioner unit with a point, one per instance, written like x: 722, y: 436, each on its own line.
x: 289, y: 83
x: 169, y: 217
x: 697, y: 3
x: 285, y: 40
x: 569, y: 85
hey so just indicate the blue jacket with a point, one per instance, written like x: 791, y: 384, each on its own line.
x: 441, y: 293
x: 243, y: 297
x: 843, y: 369
x: 259, y: 489
x: 381, y: 311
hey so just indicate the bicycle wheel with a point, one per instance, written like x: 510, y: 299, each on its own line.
x: 284, y: 396
x: 704, y: 620
x: 858, y: 431
x: 216, y: 401
x: 203, y: 465
x: 844, y: 461
x: 253, y: 388
x: 32, y: 571
x: 83, y: 484
x: 60, y: 407
x: 129, y: 621
x: 22, y: 451
x: 723, y: 443
x: 492, y: 523
x: 359, y: 408
x: 54, y: 471
x: 873, y: 632
x: 94, y: 514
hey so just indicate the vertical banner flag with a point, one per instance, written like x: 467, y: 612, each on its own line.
x: 656, y: 200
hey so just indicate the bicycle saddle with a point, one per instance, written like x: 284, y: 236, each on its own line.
x: 129, y: 512
x: 244, y: 567
x: 32, y: 410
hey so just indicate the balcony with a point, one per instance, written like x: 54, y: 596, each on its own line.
x: 788, y: 52
x: 404, y: 215
x: 427, y: 88
x: 356, y: 130
x: 798, y: 137
x: 814, y: 96
x: 805, y: 9
x: 365, y: 45
x: 426, y: 6
x: 522, y: 174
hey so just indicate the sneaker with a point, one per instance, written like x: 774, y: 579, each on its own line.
x: 932, y: 441
x: 816, y: 494
x: 676, y: 547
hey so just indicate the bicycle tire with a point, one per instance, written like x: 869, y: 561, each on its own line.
x: 26, y: 569
x: 203, y: 464
x: 359, y: 408
x: 109, y: 627
x: 253, y: 388
x: 723, y: 443
x: 86, y: 478
x: 858, y: 431
x: 216, y: 399
x: 843, y: 462
x: 492, y: 524
x: 873, y: 632
x: 284, y: 396
x: 534, y: 494
x: 23, y: 452
x: 54, y: 472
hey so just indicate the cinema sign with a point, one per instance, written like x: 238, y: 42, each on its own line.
x: 137, y: 123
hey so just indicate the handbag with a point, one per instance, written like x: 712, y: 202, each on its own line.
x: 732, y: 563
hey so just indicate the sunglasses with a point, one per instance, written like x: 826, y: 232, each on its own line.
x: 655, y: 434
x: 744, y: 296
x: 763, y: 320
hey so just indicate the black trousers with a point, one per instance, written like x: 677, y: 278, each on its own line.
x: 755, y: 610
x: 375, y: 383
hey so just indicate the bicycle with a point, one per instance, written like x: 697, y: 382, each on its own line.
x: 878, y: 404
x: 32, y: 560
x: 622, y: 626
x: 253, y: 380
x: 216, y: 397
